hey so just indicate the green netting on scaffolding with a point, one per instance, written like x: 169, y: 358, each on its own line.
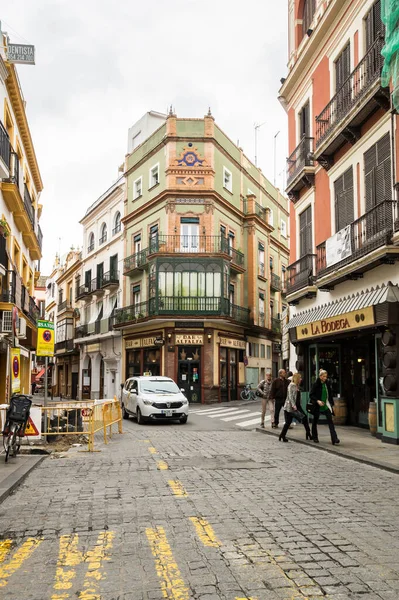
x: 390, y: 51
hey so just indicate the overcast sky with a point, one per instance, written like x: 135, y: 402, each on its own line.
x: 100, y: 65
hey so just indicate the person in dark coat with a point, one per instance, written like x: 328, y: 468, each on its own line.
x: 278, y: 393
x: 322, y: 399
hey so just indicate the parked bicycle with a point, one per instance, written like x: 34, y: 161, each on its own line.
x: 248, y: 393
x: 15, y: 424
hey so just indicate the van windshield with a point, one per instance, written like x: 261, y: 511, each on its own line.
x: 159, y: 387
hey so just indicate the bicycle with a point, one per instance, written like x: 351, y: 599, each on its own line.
x: 16, y: 419
x: 247, y: 393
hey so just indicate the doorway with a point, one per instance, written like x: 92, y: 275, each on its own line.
x: 189, y: 372
x: 74, y: 390
x: 102, y: 369
x: 228, y: 374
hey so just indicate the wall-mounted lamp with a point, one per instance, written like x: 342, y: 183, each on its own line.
x: 169, y: 336
x: 203, y: 230
x: 175, y: 229
x: 309, y: 32
x: 209, y: 337
x: 282, y: 80
x: 360, y: 360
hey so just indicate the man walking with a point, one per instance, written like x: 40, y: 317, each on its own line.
x: 263, y: 390
x: 278, y: 393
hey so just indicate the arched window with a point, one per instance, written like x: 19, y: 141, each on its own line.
x: 117, y: 223
x: 309, y: 9
x: 90, y: 247
x: 103, y: 234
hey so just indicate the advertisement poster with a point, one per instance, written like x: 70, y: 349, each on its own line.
x: 45, y: 338
x: 338, y: 246
x: 15, y: 370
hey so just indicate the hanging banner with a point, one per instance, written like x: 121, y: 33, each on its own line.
x: 15, y: 370
x: 338, y: 246
x: 45, y: 338
x: 24, y: 54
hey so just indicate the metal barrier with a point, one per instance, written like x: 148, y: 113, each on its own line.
x: 91, y: 418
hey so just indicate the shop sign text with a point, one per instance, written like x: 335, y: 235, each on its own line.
x: 189, y: 339
x: 232, y: 343
x: 339, y: 324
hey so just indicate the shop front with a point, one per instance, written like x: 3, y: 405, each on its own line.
x: 356, y: 341
x: 189, y: 347
x: 231, y: 360
x: 143, y: 356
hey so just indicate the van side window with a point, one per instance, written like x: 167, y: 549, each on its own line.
x: 134, y: 387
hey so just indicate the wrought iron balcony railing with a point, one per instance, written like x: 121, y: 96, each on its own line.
x: 369, y: 232
x: 117, y: 229
x: 28, y: 206
x: 178, y: 305
x: 102, y: 239
x: 301, y: 273
x: 275, y: 282
x: 14, y: 168
x: 301, y: 157
x: 183, y: 244
x: 5, y: 146
x: 90, y: 248
x: 356, y: 86
x: 262, y: 320
x: 40, y: 237
x: 110, y: 278
x: 64, y: 305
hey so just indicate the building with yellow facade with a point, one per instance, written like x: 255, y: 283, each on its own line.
x: 20, y: 233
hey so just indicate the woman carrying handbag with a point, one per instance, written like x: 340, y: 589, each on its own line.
x: 322, y: 404
x: 292, y: 408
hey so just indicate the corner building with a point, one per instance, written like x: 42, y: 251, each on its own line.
x: 342, y: 180
x: 206, y: 254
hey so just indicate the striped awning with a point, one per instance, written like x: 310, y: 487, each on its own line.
x: 372, y: 297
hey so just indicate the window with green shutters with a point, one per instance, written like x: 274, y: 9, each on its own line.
x: 377, y: 173
x: 344, y: 200
x: 374, y: 27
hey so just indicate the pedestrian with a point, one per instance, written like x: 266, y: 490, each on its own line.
x: 263, y: 390
x: 278, y: 393
x: 322, y: 402
x: 290, y: 405
x: 33, y: 385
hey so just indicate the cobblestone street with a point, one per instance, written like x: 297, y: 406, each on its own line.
x: 182, y: 512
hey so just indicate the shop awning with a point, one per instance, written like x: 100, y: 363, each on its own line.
x: 372, y: 297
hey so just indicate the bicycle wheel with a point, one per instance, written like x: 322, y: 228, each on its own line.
x: 8, y: 440
x: 244, y: 395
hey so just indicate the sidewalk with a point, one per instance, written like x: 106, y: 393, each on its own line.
x: 13, y: 473
x: 356, y: 444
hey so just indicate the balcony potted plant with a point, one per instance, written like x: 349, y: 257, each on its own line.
x: 3, y: 228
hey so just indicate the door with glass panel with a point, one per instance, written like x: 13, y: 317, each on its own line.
x: 189, y: 235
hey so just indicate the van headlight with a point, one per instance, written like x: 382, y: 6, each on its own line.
x: 147, y: 402
x: 184, y: 401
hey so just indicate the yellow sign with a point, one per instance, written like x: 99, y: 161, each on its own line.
x: 140, y: 343
x: 45, y: 338
x: 15, y: 370
x: 232, y: 343
x: 132, y: 344
x: 335, y: 325
x: 189, y: 339
x: 93, y: 348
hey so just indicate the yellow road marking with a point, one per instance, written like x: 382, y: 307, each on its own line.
x: 17, y: 559
x: 172, y: 584
x: 177, y: 489
x: 5, y: 548
x: 70, y: 556
x: 152, y: 450
x: 205, y: 533
x: 162, y: 465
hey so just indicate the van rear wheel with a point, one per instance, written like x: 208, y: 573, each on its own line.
x: 139, y: 417
x: 125, y: 414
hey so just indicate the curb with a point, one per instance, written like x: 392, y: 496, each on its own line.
x: 370, y: 463
x: 10, y: 483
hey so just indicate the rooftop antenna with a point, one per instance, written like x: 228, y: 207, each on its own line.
x: 256, y: 127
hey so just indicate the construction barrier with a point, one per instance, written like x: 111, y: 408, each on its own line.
x: 90, y: 418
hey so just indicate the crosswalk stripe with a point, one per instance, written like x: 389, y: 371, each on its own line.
x: 209, y: 410
x: 228, y: 412
x: 252, y: 422
x: 235, y: 418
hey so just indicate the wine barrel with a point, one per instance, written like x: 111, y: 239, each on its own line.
x: 373, y: 418
x: 340, y: 411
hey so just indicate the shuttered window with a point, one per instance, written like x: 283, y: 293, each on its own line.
x: 309, y: 9
x: 377, y: 172
x: 374, y: 26
x: 305, y: 232
x: 343, y: 193
x: 342, y: 67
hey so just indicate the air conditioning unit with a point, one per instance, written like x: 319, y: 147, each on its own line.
x: 6, y: 321
x: 21, y: 328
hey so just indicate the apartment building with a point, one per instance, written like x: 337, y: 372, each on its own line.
x: 20, y: 233
x: 342, y: 180
x: 206, y: 250
x: 98, y: 289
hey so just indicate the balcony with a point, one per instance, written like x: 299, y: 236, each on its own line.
x: 64, y: 306
x: 96, y: 328
x: 182, y: 306
x: 28, y: 306
x: 64, y: 346
x: 28, y: 206
x: 102, y: 239
x: 275, y: 283
x: 117, y: 229
x: 300, y: 168
x: 39, y: 236
x: 110, y: 280
x: 252, y: 208
x: 359, y: 96
x: 87, y: 289
x: 276, y: 325
x: 366, y: 243
x: 81, y: 331
x: 5, y: 149
x: 300, y: 278
x: 187, y: 245
x: 90, y: 248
